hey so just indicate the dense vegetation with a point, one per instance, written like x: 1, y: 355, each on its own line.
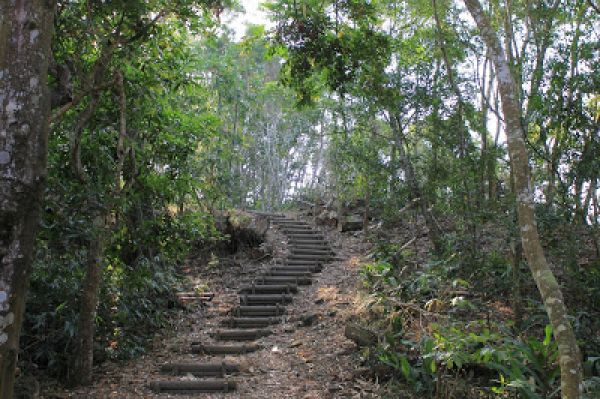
x: 159, y: 119
x: 424, y: 100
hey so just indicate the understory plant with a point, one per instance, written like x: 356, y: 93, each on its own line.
x: 489, y: 357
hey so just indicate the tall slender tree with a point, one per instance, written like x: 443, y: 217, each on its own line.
x: 26, y: 29
x: 569, y: 357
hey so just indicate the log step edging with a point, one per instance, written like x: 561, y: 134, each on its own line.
x: 186, y: 387
x: 224, y: 349
x: 251, y: 322
x: 288, y: 273
x: 307, y: 235
x: 241, y: 335
x: 259, y: 311
x: 212, y: 369
x: 317, y: 246
x: 283, y: 280
x: 300, y: 230
x: 322, y: 258
x: 305, y: 239
x: 297, y: 268
x: 268, y: 289
x: 307, y: 242
x: 309, y: 263
x: 265, y: 299
x: 295, y: 251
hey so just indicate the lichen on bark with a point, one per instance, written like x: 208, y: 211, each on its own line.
x: 25, y: 33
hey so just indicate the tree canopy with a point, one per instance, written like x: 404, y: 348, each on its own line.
x: 147, y: 120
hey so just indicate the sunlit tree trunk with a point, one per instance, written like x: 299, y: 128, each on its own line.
x: 26, y: 28
x: 569, y: 356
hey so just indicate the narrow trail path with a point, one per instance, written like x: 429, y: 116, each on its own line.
x: 274, y: 330
x: 262, y: 306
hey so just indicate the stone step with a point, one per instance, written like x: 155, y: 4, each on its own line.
x: 292, y: 228
x: 213, y: 369
x: 309, y: 263
x: 295, y: 251
x: 259, y: 311
x: 304, y: 238
x: 303, y: 233
x: 194, y: 386
x: 298, y: 268
x: 308, y: 241
x: 315, y: 235
x: 269, y: 289
x: 299, y: 230
x: 300, y: 257
x: 222, y: 349
x: 287, y: 273
x: 251, y: 322
x: 264, y: 299
x: 268, y: 214
x: 322, y: 245
x: 262, y: 305
x: 241, y: 335
x: 283, y: 280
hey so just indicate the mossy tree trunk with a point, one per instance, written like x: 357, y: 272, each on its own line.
x: 25, y: 32
x: 569, y: 356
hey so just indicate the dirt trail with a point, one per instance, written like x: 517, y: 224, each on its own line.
x: 307, y: 356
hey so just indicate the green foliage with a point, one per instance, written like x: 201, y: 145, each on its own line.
x: 264, y: 142
x: 51, y: 321
x: 134, y: 305
x: 143, y: 164
x: 322, y: 46
x: 384, y: 279
x: 401, y: 99
x: 390, y: 252
x: 136, y: 298
x: 490, y: 352
x: 376, y: 276
x: 527, y: 366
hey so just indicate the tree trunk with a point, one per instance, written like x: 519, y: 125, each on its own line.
x: 569, y: 356
x: 83, y: 358
x: 595, y: 226
x: 517, y: 298
x: 435, y: 233
x: 84, y: 354
x: 26, y: 29
x: 516, y: 249
x: 366, y: 214
x: 591, y: 191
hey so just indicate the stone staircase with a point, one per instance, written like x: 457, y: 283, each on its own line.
x: 262, y: 304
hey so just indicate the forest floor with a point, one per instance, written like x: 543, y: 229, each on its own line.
x: 308, y: 355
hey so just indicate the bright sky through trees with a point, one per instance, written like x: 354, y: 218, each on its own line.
x: 252, y: 14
